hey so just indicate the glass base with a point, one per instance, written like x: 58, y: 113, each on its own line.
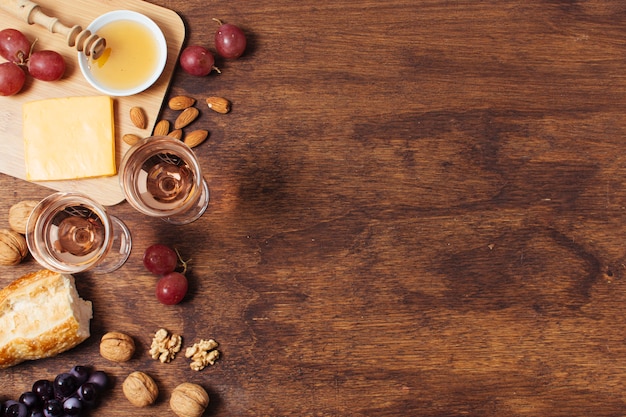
x: 195, y: 212
x: 120, y: 248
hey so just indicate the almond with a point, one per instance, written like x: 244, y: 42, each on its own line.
x: 176, y: 134
x: 186, y: 117
x: 138, y: 117
x: 218, y: 104
x: 131, y: 139
x: 181, y: 102
x: 196, y: 137
x: 162, y: 128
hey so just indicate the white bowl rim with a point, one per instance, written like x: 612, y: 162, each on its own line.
x: 123, y: 14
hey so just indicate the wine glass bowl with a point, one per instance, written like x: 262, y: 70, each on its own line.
x: 69, y: 233
x: 161, y: 177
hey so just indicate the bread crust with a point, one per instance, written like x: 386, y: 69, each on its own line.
x: 41, y: 315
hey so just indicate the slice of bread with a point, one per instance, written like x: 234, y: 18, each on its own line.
x: 41, y: 315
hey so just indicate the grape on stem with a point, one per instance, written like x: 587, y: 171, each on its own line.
x: 172, y: 288
x: 197, y: 60
x: 160, y: 259
x: 46, y: 65
x: 230, y: 41
x: 14, y: 46
x: 12, y: 78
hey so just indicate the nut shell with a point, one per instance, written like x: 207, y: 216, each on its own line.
x: 189, y: 400
x: 13, y: 247
x: 18, y: 215
x: 117, y: 347
x: 140, y: 389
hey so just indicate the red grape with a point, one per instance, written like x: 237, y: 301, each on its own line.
x: 12, y: 78
x: 230, y: 41
x: 197, y: 60
x: 14, y: 46
x: 46, y: 65
x: 160, y: 259
x: 171, y: 288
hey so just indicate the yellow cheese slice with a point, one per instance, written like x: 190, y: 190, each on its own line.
x: 69, y: 138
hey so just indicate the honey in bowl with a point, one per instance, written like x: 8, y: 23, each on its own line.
x: 135, y: 54
x: 130, y: 58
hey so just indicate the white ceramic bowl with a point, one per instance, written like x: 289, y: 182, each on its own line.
x: 117, y: 15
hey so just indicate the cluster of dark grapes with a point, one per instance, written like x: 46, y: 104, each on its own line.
x: 43, y: 65
x: 230, y: 43
x: 71, y: 394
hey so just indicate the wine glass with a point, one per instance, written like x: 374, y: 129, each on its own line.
x: 69, y: 232
x: 161, y: 177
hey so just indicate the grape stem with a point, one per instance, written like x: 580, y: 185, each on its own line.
x: 219, y: 22
x: 24, y: 60
x: 32, y: 46
x: 182, y: 262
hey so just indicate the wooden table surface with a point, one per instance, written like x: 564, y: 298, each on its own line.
x: 417, y: 209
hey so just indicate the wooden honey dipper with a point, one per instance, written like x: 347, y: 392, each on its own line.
x: 83, y: 40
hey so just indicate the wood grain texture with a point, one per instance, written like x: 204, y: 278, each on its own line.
x: 106, y: 190
x: 417, y: 209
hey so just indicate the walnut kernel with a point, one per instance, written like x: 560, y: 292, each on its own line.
x: 202, y: 354
x: 165, y: 346
x: 19, y: 213
x: 189, y: 400
x: 117, y: 347
x: 140, y: 389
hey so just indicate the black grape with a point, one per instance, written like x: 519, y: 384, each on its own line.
x: 88, y: 393
x: 72, y: 406
x: 81, y: 373
x: 65, y: 384
x: 53, y: 408
x: 31, y: 400
x: 16, y: 409
x: 99, y: 378
x: 44, y: 389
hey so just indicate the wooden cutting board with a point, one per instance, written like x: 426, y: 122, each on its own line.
x: 81, y: 12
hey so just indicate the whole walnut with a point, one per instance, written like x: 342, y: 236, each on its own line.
x: 13, y: 247
x: 140, y: 389
x: 19, y: 213
x: 117, y: 347
x: 189, y: 400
